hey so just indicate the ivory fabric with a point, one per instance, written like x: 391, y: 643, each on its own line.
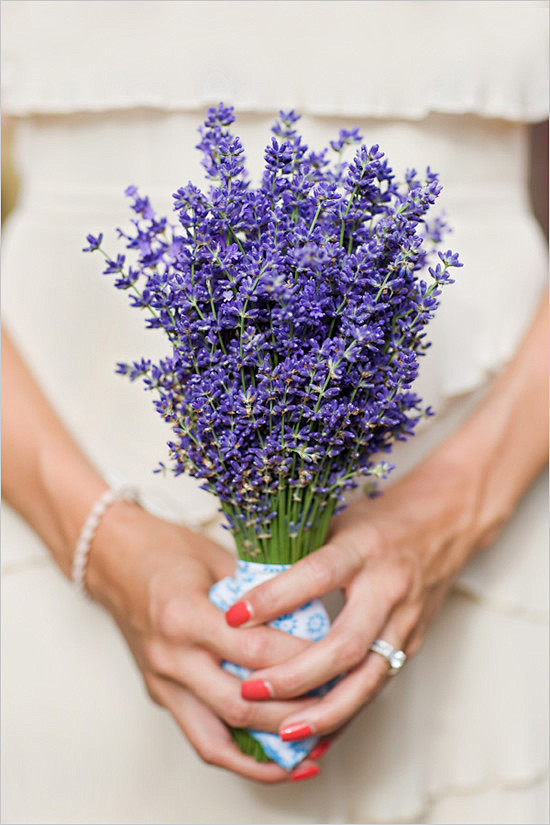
x: 104, y: 94
x: 324, y: 58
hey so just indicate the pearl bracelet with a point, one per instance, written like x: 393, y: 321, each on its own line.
x: 82, y: 551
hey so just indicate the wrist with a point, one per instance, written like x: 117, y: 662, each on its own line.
x: 130, y: 547
x: 428, y: 515
x: 503, y: 446
x: 438, y: 503
x: 69, y: 488
x: 82, y: 550
x: 118, y: 554
x: 487, y: 499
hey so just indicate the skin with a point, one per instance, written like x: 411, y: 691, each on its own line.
x: 176, y: 635
x: 396, y: 557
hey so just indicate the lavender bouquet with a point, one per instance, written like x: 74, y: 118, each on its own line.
x: 295, y: 313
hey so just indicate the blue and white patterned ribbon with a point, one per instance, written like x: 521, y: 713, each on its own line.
x: 310, y: 622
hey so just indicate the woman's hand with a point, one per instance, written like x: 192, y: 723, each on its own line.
x: 396, y: 557
x: 153, y: 577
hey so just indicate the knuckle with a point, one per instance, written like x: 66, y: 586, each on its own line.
x: 414, y: 646
x: 265, y: 599
x: 170, y: 618
x: 288, y: 685
x: 404, y: 579
x: 320, y: 572
x: 237, y: 713
x: 253, y: 648
x: 390, y: 595
x: 155, y: 657
x: 399, y: 585
x: 374, y: 545
x: 153, y: 690
x: 208, y: 753
x: 372, y: 685
x: 351, y: 650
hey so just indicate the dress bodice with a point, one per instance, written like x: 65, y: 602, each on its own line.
x: 360, y: 59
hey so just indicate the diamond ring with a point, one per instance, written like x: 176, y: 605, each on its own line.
x: 396, y: 658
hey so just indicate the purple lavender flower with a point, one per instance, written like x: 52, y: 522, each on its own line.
x: 295, y: 314
x: 93, y: 242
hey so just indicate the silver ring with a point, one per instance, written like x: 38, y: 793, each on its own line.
x: 396, y: 658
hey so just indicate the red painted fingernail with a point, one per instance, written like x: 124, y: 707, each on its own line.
x: 320, y: 749
x: 307, y: 772
x: 238, y: 614
x: 293, y: 732
x: 256, y: 689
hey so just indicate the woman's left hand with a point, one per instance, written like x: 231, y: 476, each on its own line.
x: 395, y: 557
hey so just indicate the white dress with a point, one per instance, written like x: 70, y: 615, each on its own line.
x: 108, y: 94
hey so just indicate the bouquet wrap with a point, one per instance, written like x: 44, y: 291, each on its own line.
x: 310, y: 621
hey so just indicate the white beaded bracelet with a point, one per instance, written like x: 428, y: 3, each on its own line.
x: 82, y: 551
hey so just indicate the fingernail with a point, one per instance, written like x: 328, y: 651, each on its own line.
x: 307, y: 772
x: 256, y: 689
x: 320, y: 749
x: 298, y: 731
x: 238, y: 614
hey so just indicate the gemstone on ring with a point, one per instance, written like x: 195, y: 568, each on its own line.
x: 396, y: 658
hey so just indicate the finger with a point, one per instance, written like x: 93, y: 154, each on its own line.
x: 220, y: 691
x: 323, y: 571
x: 200, y: 622
x: 211, y: 738
x: 253, y: 648
x: 342, y: 649
x: 357, y: 688
x: 321, y: 748
x: 305, y: 770
x: 340, y: 705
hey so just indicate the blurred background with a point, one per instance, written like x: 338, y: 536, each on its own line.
x: 10, y: 181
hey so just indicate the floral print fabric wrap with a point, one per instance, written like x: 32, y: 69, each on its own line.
x: 310, y: 621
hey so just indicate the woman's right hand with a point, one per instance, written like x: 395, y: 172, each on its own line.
x: 153, y: 576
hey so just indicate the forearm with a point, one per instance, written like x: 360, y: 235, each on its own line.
x: 454, y: 502
x: 45, y: 476
x: 396, y: 556
x: 503, y: 446
x: 153, y: 576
